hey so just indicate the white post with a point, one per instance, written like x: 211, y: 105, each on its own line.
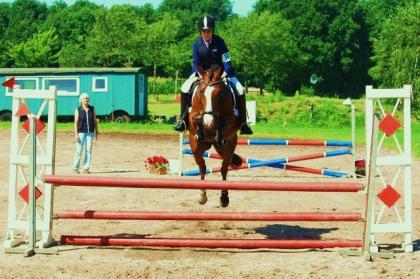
x: 47, y: 238
x: 21, y: 159
x: 181, y: 147
x: 402, y: 223
x: 353, y: 138
x: 32, y: 184
x: 348, y: 102
x: 368, y: 239
x: 407, y: 244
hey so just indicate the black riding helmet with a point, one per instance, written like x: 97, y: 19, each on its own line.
x: 206, y: 23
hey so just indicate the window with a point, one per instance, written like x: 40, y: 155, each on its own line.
x: 100, y: 84
x: 66, y: 86
x: 24, y: 82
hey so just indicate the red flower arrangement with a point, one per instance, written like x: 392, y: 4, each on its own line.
x: 360, y: 167
x: 157, y: 164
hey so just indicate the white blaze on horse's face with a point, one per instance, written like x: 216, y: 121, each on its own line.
x: 208, y: 118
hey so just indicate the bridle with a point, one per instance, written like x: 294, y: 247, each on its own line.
x: 209, y: 84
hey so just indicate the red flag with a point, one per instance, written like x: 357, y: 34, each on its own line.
x: 9, y: 83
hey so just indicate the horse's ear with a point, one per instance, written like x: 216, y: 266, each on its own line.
x: 201, y: 71
x: 218, y: 73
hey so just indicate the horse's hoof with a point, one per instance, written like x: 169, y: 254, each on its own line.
x: 203, y: 198
x: 224, y: 200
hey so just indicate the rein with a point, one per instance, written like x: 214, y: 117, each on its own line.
x: 210, y: 83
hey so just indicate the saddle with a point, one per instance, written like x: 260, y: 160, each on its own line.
x: 192, y: 88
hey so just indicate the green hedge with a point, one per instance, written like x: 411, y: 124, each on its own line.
x: 306, y: 111
x: 164, y: 85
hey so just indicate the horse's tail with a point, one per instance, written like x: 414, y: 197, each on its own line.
x: 236, y: 159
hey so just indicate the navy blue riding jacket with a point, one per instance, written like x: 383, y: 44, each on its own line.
x: 216, y: 53
x: 86, y: 120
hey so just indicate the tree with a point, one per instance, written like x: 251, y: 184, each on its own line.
x: 117, y: 38
x: 330, y: 36
x: 160, y: 36
x: 178, y: 59
x: 263, y: 50
x: 189, y: 11
x: 378, y: 11
x: 397, y: 52
x: 73, y: 25
x: 220, y: 9
x: 4, y: 24
x: 73, y: 55
x: 38, y: 51
x: 148, y: 13
x: 25, y: 16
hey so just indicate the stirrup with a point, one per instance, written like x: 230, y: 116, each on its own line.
x: 245, y: 129
x: 180, y: 126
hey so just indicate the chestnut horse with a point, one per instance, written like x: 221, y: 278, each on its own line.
x: 212, y: 122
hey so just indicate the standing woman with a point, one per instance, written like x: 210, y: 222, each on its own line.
x: 85, y: 127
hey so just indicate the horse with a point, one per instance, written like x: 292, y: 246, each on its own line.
x: 212, y: 122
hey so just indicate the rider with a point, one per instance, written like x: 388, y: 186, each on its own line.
x: 210, y: 49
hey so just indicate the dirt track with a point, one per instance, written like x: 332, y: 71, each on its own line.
x: 124, y: 155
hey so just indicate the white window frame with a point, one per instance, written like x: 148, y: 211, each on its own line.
x: 94, y: 89
x: 9, y: 91
x: 63, y: 92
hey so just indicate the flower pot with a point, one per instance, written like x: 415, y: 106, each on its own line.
x: 156, y: 170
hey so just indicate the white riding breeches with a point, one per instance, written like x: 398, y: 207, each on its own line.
x: 186, y: 86
x: 240, y: 89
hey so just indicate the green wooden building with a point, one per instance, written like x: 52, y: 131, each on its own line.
x: 116, y: 93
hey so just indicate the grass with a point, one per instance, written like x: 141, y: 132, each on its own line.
x: 108, y: 127
x: 167, y: 110
x: 166, y: 106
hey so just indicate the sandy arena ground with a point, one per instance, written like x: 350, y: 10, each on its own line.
x: 124, y: 155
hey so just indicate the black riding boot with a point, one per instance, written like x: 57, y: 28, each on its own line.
x: 182, y: 123
x: 244, y: 129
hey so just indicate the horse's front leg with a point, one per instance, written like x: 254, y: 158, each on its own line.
x: 198, y: 157
x: 202, y: 167
x: 199, y: 127
x: 227, y: 160
x: 220, y: 137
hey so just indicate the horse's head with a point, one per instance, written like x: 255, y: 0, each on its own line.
x: 210, y: 96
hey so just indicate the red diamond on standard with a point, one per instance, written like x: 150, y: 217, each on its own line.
x: 389, y: 125
x: 389, y: 196
x: 24, y: 193
x: 23, y: 110
x: 39, y: 126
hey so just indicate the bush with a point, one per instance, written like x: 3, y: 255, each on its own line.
x: 307, y: 91
x: 164, y: 86
x: 303, y: 111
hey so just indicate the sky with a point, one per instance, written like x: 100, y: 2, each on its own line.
x: 241, y: 7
